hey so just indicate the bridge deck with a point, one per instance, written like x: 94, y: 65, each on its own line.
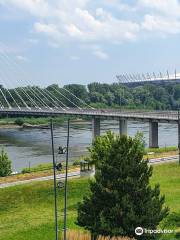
x: 161, y: 116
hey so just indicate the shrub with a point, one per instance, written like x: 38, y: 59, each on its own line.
x: 5, y: 164
x: 121, y: 198
x: 19, y: 121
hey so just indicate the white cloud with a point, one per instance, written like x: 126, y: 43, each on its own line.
x: 163, y: 16
x: 75, y: 20
x: 74, y: 58
x: 33, y: 41
x: 48, y: 29
x: 39, y: 8
x: 101, y: 55
x: 72, y: 19
x: 119, y: 5
x: 167, y: 7
x: 22, y: 58
x: 161, y: 24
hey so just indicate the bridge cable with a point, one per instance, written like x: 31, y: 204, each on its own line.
x: 25, y: 91
x: 47, y: 93
x: 10, y: 93
x: 16, y: 92
x: 58, y: 91
x: 37, y: 97
x: 29, y: 97
x: 82, y: 101
x: 9, y: 106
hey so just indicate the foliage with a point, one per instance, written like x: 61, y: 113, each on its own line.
x: 19, y: 121
x: 5, y: 164
x: 115, y: 95
x: 121, y: 197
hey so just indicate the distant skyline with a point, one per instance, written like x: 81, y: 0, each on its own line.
x: 83, y: 41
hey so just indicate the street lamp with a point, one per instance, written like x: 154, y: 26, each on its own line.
x: 66, y: 178
x: 58, y: 167
x: 54, y: 171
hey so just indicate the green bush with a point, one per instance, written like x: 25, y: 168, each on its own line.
x: 121, y: 197
x: 19, y: 121
x: 5, y: 164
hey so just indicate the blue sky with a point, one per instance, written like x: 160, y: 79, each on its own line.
x: 81, y: 41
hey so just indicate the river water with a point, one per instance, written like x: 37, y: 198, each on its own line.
x: 33, y: 146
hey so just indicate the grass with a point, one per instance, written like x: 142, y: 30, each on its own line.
x: 77, y: 235
x: 32, y: 120
x: 161, y: 152
x: 26, y: 211
x: 42, y: 170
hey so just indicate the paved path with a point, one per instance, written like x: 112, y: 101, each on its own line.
x: 164, y: 159
x: 77, y: 173
x: 59, y: 176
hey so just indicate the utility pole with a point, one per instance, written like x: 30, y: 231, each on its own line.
x: 65, y: 187
x: 54, y: 170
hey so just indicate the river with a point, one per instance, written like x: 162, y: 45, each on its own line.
x: 33, y: 146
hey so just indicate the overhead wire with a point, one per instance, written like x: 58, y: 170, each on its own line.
x: 49, y: 94
x: 23, y: 89
x: 4, y: 84
x: 15, y: 90
x: 40, y: 91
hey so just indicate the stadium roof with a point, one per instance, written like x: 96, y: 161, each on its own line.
x: 142, y: 78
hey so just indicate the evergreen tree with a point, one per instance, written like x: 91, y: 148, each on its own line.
x: 5, y: 164
x: 121, y: 198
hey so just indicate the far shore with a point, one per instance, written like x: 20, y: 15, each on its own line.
x: 27, y: 125
x: 9, y: 126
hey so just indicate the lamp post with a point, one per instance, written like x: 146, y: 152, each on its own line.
x: 54, y: 171
x: 58, y: 167
x: 66, y: 178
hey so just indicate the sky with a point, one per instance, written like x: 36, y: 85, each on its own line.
x: 83, y: 41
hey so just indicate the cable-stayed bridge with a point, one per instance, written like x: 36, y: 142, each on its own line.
x: 22, y: 98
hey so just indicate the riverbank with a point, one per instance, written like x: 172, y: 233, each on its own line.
x: 37, y: 122
x: 30, y: 120
x: 38, y: 173
x: 26, y: 211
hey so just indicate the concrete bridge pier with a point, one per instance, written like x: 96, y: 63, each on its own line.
x: 153, y: 134
x: 122, y: 127
x: 96, y: 127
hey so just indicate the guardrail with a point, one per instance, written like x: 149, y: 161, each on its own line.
x: 154, y: 115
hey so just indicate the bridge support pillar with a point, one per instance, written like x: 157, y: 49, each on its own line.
x: 122, y: 127
x: 95, y: 127
x: 153, y: 135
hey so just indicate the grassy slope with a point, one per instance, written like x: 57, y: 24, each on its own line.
x: 26, y: 212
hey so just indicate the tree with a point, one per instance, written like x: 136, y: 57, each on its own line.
x: 121, y: 197
x: 5, y: 164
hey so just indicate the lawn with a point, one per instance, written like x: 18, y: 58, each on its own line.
x: 26, y: 211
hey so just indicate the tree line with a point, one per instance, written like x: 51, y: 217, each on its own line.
x: 101, y: 95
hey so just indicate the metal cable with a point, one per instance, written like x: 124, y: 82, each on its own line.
x: 42, y: 93
x: 77, y: 98
x: 10, y: 93
x: 9, y: 106
x: 16, y: 92
x: 24, y: 91
x: 58, y: 91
